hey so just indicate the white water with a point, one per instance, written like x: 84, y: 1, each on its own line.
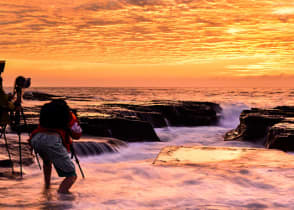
x: 129, y: 180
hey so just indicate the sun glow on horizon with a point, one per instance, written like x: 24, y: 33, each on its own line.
x: 234, y: 30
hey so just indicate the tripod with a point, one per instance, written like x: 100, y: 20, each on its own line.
x: 18, y: 113
x: 3, y: 133
x: 15, y: 123
x: 17, y: 116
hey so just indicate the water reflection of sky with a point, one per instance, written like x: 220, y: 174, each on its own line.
x: 252, y: 97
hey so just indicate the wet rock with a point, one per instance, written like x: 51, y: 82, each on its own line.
x: 13, y: 146
x: 281, y: 136
x: 136, y: 122
x: 33, y: 95
x: 172, y: 113
x: 154, y: 118
x: 220, y: 158
x: 6, y: 163
x: 274, y: 127
x: 97, y: 146
x: 253, y: 125
x: 40, y: 96
x: 124, y: 129
x: 23, y: 129
x: 190, y: 113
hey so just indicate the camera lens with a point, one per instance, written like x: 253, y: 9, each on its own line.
x: 22, y: 82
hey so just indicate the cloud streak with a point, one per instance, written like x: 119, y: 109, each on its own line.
x: 151, y: 31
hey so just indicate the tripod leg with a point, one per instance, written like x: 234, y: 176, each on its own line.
x: 6, y: 145
x: 20, y: 158
x: 26, y: 126
x: 78, y: 163
x: 25, y: 121
x: 77, y: 160
x: 38, y: 161
x: 17, y: 122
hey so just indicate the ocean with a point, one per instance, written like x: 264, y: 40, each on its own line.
x: 128, y: 179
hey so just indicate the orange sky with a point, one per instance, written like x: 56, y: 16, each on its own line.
x: 148, y: 42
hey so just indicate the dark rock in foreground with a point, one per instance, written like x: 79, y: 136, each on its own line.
x: 13, y: 145
x: 274, y: 127
x: 168, y: 113
x: 136, y: 122
x: 124, y: 129
x: 97, y: 146
x: 6, y: 164
x: 281, y: 136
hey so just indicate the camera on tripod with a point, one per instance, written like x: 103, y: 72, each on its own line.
x: 15, y: 116
x: 20, y: 83
x: 14, y: 99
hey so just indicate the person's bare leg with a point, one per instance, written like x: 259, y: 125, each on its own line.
x: 66, y: 184
x: 47, y: 168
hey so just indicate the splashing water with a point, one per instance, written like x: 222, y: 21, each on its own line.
x: 128, y: 179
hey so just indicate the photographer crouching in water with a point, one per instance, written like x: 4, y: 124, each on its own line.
x: 52, y: 141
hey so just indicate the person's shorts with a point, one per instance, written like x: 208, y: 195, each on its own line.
x: 49, y: 146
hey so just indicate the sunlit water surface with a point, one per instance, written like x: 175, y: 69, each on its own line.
x: 129, y: 180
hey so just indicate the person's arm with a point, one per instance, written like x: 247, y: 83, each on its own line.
x: 5, y: 106
x: 4, y: 99
x: 75, y: 128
